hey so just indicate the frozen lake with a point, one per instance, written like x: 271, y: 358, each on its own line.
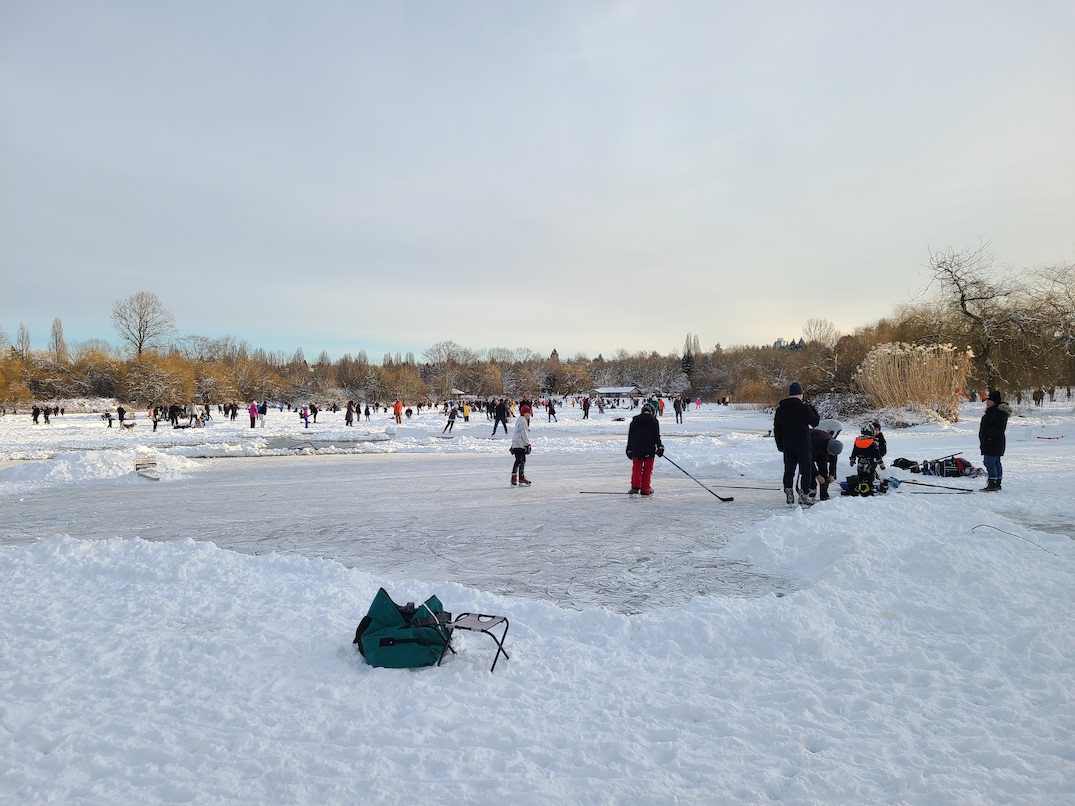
x: 433, y: 516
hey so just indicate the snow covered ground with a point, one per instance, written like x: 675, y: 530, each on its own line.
x: 189, y: 640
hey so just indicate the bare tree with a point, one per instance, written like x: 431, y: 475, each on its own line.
x: 821, y: 332
x: 22, y: 341
x: 446, y: 363
x: 970, y: 290
x: 58, y: 346
x: 142, y: 321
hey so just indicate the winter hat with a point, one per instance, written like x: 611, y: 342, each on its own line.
x: 994, y: 396
x: 525, y: 410
x: 834, y: 427
x: 835, y: 447
x: 647, y: 408
x: 795, y: 389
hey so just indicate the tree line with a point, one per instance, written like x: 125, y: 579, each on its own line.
x: 1016, y: 329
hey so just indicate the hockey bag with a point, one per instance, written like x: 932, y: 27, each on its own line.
x: 402, y: 637
x: 950, y: 467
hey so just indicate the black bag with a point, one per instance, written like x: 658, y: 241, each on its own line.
x: 907, y: 464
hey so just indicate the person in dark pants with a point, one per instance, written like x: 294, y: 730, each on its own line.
x: 643, y: 444
x: 451, y: 420
x: 501, y: 415
x: 866, y: 458
x: 520, y: 447
x: 791, y: 429
x: 823, y: 451
x: 991, y: 439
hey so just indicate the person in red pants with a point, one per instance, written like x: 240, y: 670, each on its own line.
x: 643, y: 444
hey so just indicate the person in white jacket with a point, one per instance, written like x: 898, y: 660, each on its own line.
x: 520, y: 447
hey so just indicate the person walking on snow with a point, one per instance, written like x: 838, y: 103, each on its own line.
x: 991, y: 439
x: 253, y: 412
x: 643, y: 443
x: 520, y: 447
x: 501, y: 416
x: 791, y: 429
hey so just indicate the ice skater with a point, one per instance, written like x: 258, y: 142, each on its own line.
x: 520, y: 447
x: 643, y: 444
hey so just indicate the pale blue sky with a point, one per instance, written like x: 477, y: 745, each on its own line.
x: 580, y: 175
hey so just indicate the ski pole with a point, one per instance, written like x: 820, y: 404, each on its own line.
x: 692, y: 478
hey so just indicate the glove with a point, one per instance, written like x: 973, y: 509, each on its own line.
x: 660, y: 450
x: 851, y: 462
x: 883, y: 466
x: 629, y: 456
x: 527, y: 450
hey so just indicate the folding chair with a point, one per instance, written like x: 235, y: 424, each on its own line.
x: 479, y: 622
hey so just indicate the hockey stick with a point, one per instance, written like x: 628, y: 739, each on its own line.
x: 743, y: 487
x: 938, y: 492
x: 692, y: 478
x: 602, y: 492
x: 896, y: 483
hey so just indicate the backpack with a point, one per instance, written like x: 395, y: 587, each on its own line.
x: 402, y: 637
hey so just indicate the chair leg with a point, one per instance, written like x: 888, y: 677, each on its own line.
x: 499, y: 645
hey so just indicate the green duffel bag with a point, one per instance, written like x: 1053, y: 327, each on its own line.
x: 402, y: 637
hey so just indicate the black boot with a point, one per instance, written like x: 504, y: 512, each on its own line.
x: 991, y: 486
x: 998, y: 484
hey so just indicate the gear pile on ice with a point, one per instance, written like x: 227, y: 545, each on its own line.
x: 951, y: 466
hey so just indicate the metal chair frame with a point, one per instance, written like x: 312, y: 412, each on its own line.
x: 478, y: 622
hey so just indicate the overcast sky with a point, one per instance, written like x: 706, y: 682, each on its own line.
x: 580, y: 175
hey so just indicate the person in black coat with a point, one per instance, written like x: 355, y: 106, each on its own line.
x: 879, y: 438
x: 501, y: 413
x: 991, y: 439
x: 823, y: 451
x: 643, y: 443
x: 791, y: 429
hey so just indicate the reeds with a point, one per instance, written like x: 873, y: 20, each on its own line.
x: 927, y: 377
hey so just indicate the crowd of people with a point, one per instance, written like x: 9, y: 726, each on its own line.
x: 809, y: 445
x: 810, y: 449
